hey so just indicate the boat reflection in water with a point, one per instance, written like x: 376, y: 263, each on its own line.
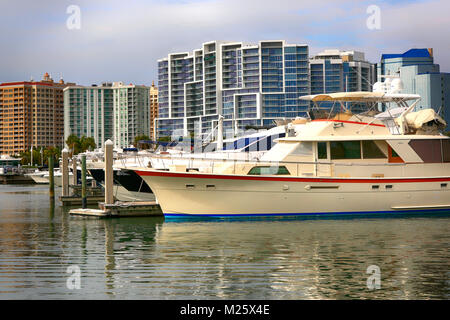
x: 304, y: 258
x: 264, y: 258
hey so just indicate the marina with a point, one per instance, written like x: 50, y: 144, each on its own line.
x: 341, y: 163
x: 267, y: 239
x: 225, y: 159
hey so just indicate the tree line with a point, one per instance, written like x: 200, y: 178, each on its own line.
x: 40, y: 156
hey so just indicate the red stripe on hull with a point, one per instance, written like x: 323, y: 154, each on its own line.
x: 294, y: 179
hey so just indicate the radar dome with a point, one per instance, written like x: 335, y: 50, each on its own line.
x: 388, y: 82
x: 396, y: 85
x: 378, y: 87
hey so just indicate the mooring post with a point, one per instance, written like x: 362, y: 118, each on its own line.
x: 65, y: 172
x: 74, y: 171
x: 83, y: 182
x: 109, y: 176
x: 51, y: 178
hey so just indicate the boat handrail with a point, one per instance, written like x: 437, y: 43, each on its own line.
x: 259, y: 161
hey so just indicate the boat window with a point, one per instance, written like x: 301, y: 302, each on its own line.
x: 322, y: 150
x: 268, y: 170
x: 371, y: 150
x: 303, y: 149
x: 345, y: 150
x: 395, y: 154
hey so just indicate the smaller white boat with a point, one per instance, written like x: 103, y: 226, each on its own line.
x: 57, y: 176
x: 39, y: 177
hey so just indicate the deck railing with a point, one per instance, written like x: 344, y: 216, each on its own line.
x: 241, y: 164
x: 295, y: 168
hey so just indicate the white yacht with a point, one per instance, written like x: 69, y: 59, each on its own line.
x: 344, y: 163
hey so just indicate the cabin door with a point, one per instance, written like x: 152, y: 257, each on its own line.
x: 323, y: 167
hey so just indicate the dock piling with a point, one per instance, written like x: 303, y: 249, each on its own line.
x: 65, y: 172
x: 83, y: 182
x: 51, y: 177
x: 109, y: 208
x: 74, y: 171
x: 109, y: 192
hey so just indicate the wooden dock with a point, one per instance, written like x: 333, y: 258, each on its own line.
x: 107, y: 206
x: 15, y: 179
x: 69, y: 201
x: 94, y: 195
x: 121, y: 209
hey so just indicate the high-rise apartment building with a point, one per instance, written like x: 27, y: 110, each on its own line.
x: 420, y: 75
x: 131, y: 113
x: 31, y: 115
x: 88, y: 111
x: 111, y: 111
x: 249, y: 85
x: 153, y: 109
x: 341, y: 71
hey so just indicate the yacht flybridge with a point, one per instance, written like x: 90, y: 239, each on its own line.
x: 340, y: 163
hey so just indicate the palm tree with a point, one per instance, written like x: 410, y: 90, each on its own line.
x: 87, y: 143
x: 78, y: 145
x: 74, y: 144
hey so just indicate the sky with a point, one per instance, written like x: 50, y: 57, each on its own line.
x: 117, y: 40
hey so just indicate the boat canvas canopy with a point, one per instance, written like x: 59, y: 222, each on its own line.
x: 360, y: 96
x: 417, y: 119
x: 360, y: 137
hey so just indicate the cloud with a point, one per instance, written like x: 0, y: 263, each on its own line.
x: 420, y: 24
x: 122, y: 40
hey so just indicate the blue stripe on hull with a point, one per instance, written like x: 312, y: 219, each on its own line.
x: 313, y: 214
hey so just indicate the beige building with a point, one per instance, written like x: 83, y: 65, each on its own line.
x: 31, y: 115
x: 153, y: 109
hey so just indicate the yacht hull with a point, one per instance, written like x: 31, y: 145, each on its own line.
x: 39, y: 179
x: 196, y: 194
x: 135, y: 192
x: 122, y: 194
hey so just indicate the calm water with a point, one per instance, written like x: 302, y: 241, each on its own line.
x: 149, y: 258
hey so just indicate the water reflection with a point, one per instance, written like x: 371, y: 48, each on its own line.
x: 149, y: 258
x: 110, y: 264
